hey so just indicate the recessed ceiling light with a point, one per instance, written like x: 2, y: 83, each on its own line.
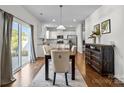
x: 74, y: 20
x: 53, y: 20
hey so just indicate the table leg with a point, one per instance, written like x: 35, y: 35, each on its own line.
x: 46, y: 68
x: 73, y: 68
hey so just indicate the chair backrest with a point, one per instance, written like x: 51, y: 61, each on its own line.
x: 46, y: 49
x: 74, y: 49
x: 60, y: 59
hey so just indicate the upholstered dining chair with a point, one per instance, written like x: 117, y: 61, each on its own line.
x: 74, y: 49
x: 46, y: 49
x: 60, y: 59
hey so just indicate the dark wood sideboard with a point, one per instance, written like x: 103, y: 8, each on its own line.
x: 100, y: 57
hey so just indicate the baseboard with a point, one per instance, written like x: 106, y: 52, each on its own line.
x: 121, y: 79
x: 79, y: 52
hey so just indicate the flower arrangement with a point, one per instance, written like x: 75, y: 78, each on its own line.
x: 94, y: 35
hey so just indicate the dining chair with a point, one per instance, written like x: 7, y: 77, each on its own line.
x: 74, y: 49
x: 60, y: 59
x: 46, y: 49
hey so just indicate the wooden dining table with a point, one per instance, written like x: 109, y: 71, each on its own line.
x: 48, y: 56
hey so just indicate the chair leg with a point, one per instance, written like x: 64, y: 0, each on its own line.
x: 66, y: 78
x: 54, y: 78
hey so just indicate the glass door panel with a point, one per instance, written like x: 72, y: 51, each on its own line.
x: 15, y: 46
x: 25, y: 39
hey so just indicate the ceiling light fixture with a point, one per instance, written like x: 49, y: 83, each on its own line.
x: 74, y: 20
x: 53, y: 20
x: 61, y: 27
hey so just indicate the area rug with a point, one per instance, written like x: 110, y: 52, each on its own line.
x: 39, y: 80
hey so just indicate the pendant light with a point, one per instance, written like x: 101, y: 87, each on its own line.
x: 61, y: 27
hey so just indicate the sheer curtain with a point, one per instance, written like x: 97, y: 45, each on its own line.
x: 6, y: 60
x: 33, y: 55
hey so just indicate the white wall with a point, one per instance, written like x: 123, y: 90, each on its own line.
x: 40, y: 35
x: 24, y: 15
x: 116, y: 14
x: 79, y: 38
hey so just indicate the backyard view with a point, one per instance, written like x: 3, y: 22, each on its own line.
x: 20, y: 45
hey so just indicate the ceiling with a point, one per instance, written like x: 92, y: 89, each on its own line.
x: 69, y: 13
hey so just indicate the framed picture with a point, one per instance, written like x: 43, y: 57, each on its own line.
x: 106, y: 27
x: 97, y: 29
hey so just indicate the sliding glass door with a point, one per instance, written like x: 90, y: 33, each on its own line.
x: 20, y: 44
x: 25, y: 39
x: 15, y: 46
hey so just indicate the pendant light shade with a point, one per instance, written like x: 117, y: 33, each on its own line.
x: 60, y: 27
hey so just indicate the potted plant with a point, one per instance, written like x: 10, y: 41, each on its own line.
x: 94, y: 35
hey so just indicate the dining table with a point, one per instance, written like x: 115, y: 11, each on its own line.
x: 48, y: 56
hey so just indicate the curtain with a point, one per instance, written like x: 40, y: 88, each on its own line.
x: 1, y: 38
x: 6, y: 59
x: 33, y: 55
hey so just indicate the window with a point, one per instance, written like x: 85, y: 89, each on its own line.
x: 15, y: 46
x: 20, y: 44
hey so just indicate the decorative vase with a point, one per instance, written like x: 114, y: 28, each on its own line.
x: 94, y: 40
x: 98, y: 39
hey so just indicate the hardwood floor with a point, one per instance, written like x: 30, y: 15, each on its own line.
x: 25, y: 76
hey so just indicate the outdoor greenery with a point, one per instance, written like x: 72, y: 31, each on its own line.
x: 14, y: 42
